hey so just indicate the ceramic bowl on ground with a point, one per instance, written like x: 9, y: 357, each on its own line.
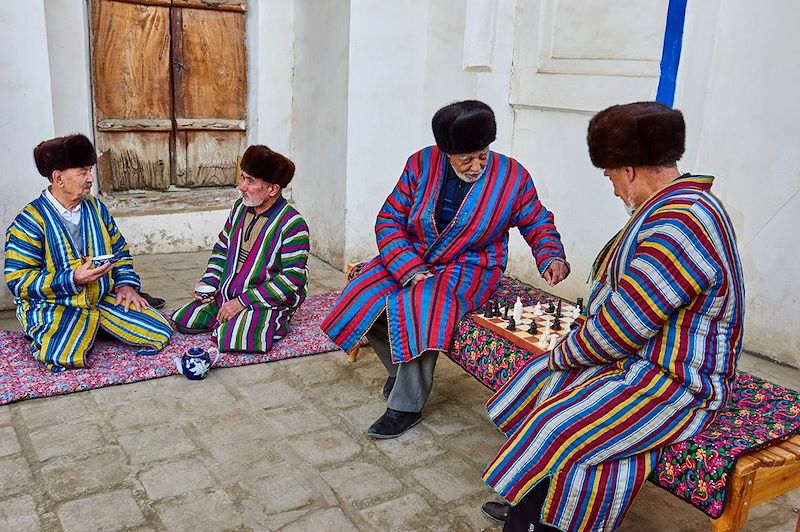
x: 205, y: 291
x: 101, y: 260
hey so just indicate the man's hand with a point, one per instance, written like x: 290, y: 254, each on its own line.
x: 556, y: 272
x: 85, y: 274
x: 130, y: 297
x: 229, y: 310
x: 420, y: 277
x: 204, y: 299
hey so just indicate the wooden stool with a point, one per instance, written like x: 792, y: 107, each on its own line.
x: 760, y: 476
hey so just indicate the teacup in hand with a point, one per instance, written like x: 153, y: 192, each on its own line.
x: 204, y: 291
x: 101, y: 260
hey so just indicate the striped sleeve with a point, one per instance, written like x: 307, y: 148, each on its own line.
x: 537, y: 226
x: 397, y: 252
x: 24, y: 263
x: 670, y: 267
x: 219, y: 255
x: 293, y: 275
x: 122, y: 273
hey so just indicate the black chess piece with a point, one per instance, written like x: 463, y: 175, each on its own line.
x: 512, y: 326
x: 558, y: 310
x: 579, y: 304
x: 556, y: 324
x: 550, y: 307
x: 533, y: 329
x: 497, y: 308
x: 505, y: 312
x: 488, y: 310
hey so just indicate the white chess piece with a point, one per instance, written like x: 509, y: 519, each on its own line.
x: 545, y: 334
x: 537, y: 310
x: 518, y: 311
x: 576, y: 312
x: 554, y: 338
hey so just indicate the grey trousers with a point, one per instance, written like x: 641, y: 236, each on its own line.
x: 414, y: 378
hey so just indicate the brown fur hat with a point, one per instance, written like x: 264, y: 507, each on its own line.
x: 464, y: 127
x: 61, y: 153
x: 636, y: 134
x: 263, y: 163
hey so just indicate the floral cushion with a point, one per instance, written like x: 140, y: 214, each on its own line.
x: 697, y: 470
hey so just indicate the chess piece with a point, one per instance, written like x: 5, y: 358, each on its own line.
x: 580, y: 305
x: 488, y: 310
x: 512, y: 325
x: 532, y: 329
x: 554, y: 338
x: 518, y: 310
x: 550, y: 307
x: 557, y: 323
x: 505, y: 311
x: 497, y: 308
x: 576, y: 311
x: 537, y: 310
x: 558, y: 310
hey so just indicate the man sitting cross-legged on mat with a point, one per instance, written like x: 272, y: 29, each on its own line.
x: 257, y: 268
x: 61, y: 298
x: 654, y: 359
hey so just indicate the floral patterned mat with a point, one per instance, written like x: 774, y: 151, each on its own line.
x: 21, y: 377
x: 696, y: 470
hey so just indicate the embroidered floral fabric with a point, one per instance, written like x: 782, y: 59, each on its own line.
x: 696, y: 470
x: 22, y: 377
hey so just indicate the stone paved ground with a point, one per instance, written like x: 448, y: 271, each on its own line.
x: 279, y: 446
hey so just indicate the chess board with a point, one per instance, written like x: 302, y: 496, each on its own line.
x: 533, y: 343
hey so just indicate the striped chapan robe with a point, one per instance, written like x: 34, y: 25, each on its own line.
x: 649, y: 366
x: 271, y: 283
x: 61, y: 318
x: 468, y: 257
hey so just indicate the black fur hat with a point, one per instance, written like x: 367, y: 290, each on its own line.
x: 60, y: 153
x: 263, y: 163
x: 464, y: 127
x: 636, y: 134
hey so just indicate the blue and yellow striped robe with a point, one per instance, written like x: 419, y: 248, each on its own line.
x: 649, y: 366
x: 468, y: 257
x: 271, y: 284
x: 60, y: 318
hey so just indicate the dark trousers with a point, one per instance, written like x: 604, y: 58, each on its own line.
x: 524, y: 517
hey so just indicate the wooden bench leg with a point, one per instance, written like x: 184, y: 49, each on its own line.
x: 738, y: 505
x: 352, y: 355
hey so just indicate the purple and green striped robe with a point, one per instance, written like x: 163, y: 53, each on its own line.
x: 467, y: 258
x: 648, y: 367
x: 271, y: 284
x: 61, y: 318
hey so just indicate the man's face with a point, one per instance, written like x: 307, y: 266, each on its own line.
x: 620, y: 179
x: 256, y: 192
x: 74, y: 184
x: 470, y: 166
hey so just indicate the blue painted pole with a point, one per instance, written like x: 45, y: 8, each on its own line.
x: 671, y: 53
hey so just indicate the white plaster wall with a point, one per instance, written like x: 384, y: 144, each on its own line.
x: 319, y: 128
x: 68, y: 50
x: 172, y: 233
x: 25, y: 109
x: 748, y: 110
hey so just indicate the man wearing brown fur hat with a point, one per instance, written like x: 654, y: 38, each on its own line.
x: 62, y: 299
x: 256, y: 277
x: 442, y: 238
x: 654, y: 359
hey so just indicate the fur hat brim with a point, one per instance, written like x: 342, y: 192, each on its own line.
x: 261, y: 162
x: 636, y: 134
x: 61, y: 153
x: 464, y: 127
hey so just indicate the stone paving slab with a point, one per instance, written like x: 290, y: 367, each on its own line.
x: 277, y: 446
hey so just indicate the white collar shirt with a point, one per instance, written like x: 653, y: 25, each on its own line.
x: 73, y: 216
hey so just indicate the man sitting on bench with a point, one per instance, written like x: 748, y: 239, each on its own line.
x: 654, y: 358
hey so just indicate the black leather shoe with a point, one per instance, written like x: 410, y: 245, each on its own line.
x: 393, y: 423
x: 155, y: 302
x: 496, y: 511
x: 388, y: 386
x: 189, y: 330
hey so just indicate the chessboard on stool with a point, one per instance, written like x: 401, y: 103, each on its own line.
x: 537, y: 328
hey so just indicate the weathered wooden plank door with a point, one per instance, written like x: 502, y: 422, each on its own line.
x: 208, y: 49
x: 170, y: 92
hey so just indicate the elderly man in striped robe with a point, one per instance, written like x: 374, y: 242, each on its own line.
x: 257, y: 274
x: 442, y: 238
x: 653, y: 360
x: 62, y: 300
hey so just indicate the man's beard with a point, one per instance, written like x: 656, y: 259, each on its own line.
x: 250, y: 202
x: 630, y: 208
x: 469, y: 179
x: 86, y: 193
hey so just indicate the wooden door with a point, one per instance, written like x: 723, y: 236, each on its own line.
x: 170, y: 92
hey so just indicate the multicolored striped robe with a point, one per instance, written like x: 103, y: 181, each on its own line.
x: 649, y: 366
x: 62, y: 319
x: 468, y: 257
x: 271, y: 283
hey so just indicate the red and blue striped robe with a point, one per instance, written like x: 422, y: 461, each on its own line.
x: 468, y: 257
x: 650, y: 365
x: 271, y: 284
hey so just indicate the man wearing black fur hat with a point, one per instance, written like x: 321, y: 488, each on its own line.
x: 654, y: 359
x: 257, y: 272
x: 442, y: 236
x: 62, y: 299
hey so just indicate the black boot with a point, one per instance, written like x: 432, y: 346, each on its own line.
x: 496, y: 511
x: 393, y: 423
